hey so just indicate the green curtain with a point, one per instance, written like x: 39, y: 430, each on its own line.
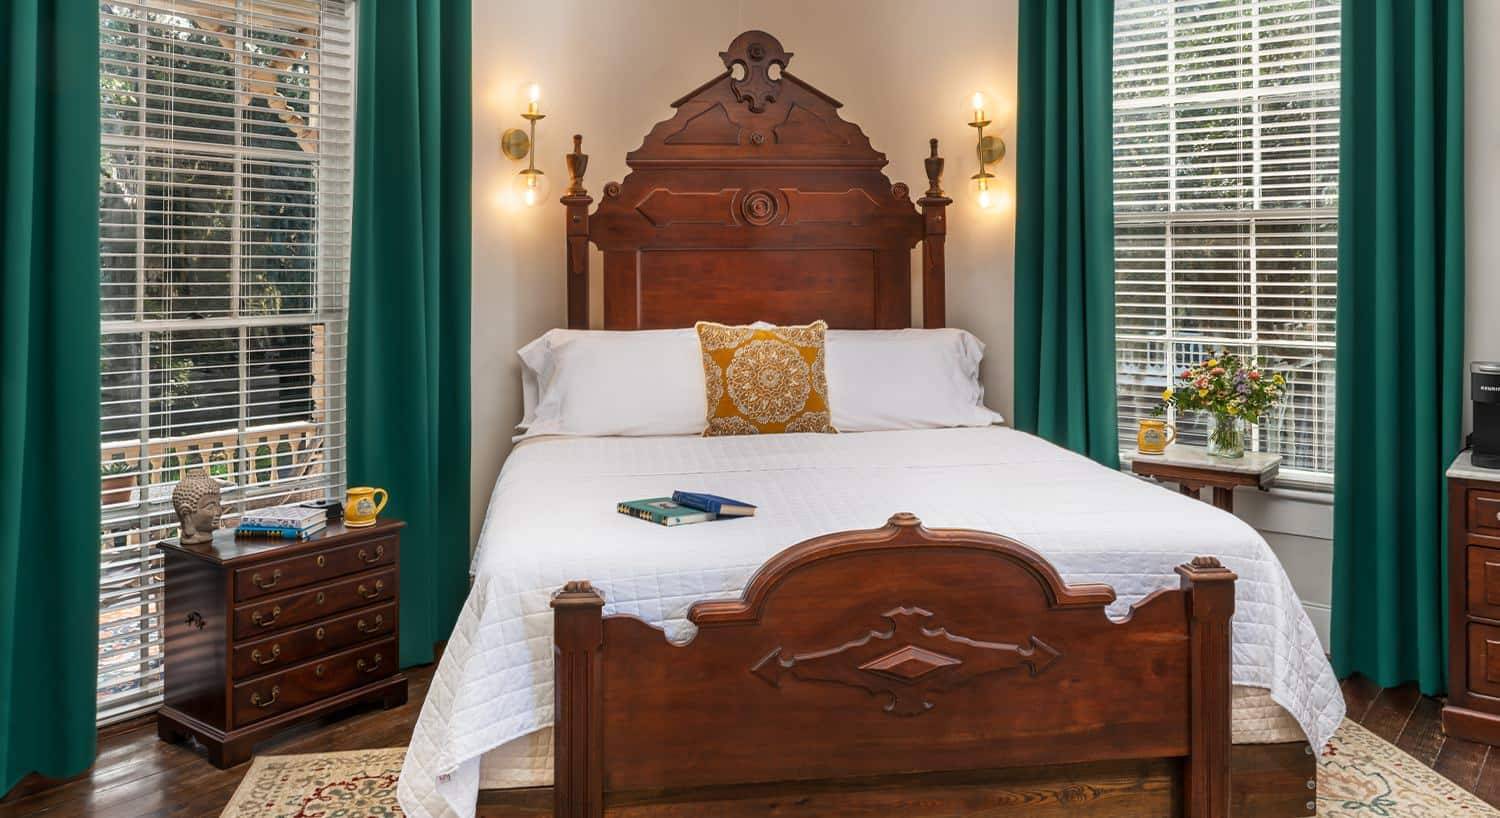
x: 1400, y: 334
x: 409, y: 299
x: 49, y: 400
x: 1065, y: 242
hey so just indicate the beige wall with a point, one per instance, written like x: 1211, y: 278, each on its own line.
x: 609, y: 70
x: 1482, y: 187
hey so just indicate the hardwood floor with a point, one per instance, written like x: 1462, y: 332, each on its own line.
x: 137, y: 776
x: 1409, y: 720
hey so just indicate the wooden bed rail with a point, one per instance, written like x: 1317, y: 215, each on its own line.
x: 920, y: 665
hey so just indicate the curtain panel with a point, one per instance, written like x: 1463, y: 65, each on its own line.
x: 1400, y: 335
x: 49, y: 387
x: 408, y: 387
x: 1065, y: 242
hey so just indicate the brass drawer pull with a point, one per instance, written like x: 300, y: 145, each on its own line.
x: 363, y: 628
x: 256, y: 700
x: 262, y: 584
x: 370, y: 668
x: 321, y: 598
x: 258, y: 617
x: 367, y: 594
x: 379, y: 555
x: 320, y: 671
x: 322, y: 561
x: 318, y: 634
x: 275, y: 654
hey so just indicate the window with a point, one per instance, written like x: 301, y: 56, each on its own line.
x: 224, y: 190
x: 1226, y: 130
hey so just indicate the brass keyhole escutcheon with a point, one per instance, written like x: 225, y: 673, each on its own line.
x: 320, y: 671
x: 318, y: 634
x: 321, y: 597
x: 322, y: 560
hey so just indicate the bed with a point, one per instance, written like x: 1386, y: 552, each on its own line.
x: 923, y: 622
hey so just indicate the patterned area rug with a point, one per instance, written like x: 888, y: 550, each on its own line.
x: 355, y: 784
x: 1362, y: 776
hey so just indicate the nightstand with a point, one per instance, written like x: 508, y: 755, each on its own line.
x: 1192, y: 468
x: 1473, y: 707
x: 262, y: 634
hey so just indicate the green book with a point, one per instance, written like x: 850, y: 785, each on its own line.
x: 663, y: 511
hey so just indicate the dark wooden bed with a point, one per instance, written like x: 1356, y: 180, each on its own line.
x: 895, y: 671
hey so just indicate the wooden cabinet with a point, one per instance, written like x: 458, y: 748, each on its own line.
x: 261, y: 634
x: 1473, y: 708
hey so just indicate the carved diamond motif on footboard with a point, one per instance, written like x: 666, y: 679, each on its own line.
x: 924, y: 661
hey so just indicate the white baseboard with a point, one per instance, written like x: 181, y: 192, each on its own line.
x: 1322, y: 618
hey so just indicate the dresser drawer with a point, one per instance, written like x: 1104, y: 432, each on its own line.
x: 1484, y: 659
x: 278, y: 612
x: 1484, y: 582
x: 289, y: 648
x: 278, y: 576
x: 1484, y: 511
x: 312, y: 681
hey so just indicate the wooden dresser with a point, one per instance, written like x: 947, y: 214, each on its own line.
x: 1473, y: 709
x: 265, y: 633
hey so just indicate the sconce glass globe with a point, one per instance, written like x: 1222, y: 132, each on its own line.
x: 530, y: 187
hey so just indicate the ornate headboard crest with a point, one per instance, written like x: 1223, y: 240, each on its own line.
x: 755, y: 200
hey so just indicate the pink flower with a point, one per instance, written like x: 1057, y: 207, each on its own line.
x: 1218, y: 370
x: 1254, y: 375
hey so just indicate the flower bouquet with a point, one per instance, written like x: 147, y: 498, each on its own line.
x: 1236, y: 390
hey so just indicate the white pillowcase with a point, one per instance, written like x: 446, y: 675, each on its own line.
x: 650, y: 382
x: 600, y: 383
x: 905, y: 379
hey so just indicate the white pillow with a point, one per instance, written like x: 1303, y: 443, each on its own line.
x: 599, y: 383
x: 905, y: 379
x: 650, y: 382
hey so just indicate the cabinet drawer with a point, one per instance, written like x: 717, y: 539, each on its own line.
x: 1484, y: 510
x: 289, y: 648
x: 278, y: 576
x: 312, y: 681
x: 1484, y: 582
x: 278, y: 612
x: 1484, y: 659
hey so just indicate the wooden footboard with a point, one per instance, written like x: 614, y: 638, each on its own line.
x: 905, y: 671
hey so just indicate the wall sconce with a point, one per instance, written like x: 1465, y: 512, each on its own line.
x: 989, y: 150
x: 530, y: 184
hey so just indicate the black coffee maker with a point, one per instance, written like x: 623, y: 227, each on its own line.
x: 1484, y: 387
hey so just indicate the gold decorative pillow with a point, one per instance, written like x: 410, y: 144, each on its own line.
x: 764, y: 380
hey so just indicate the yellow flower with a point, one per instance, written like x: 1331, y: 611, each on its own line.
x: 1202, y: 393
x: 1234, y: 410
x: 1211, y: 363
x: 1279, y: 379
x: 1166, y: 393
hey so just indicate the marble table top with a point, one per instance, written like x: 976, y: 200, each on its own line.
x: 1197, y: 457
x: 1463, y: 468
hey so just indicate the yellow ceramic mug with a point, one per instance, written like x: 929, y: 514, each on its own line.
x: 360, y: 508
x: 1155, y: 436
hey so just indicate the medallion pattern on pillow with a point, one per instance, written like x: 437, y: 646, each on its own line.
x: 764, y: 380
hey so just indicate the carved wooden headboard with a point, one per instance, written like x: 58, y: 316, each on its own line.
x: 756, y: 201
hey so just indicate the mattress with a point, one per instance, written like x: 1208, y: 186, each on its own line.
x: 551, y: 519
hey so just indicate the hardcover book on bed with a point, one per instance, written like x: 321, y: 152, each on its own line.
x: 722, y: 506
x: 664, y: 511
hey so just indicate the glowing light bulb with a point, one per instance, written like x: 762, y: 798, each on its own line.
x: 982, y: 195
x: 978, y: 103
x: 533, y: 97
x: 530, y: 188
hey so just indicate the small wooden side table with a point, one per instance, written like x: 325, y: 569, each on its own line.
x: 1192, y: 468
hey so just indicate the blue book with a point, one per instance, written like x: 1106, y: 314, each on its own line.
x: 713, y: 503
x: 278, y: 531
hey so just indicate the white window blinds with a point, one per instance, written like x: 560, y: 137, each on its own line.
x: 1226, y: 128
x: 224, y: 187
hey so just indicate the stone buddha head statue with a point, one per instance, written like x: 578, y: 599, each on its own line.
x: 196, y: 500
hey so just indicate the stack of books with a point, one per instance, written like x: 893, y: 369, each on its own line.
x: 292, y: 522
x: 685, y: 507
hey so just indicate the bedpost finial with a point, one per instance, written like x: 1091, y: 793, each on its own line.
x: 934, y: 167
x: 1207, y: 562
x: 578, y: 592
x: 578, y: 164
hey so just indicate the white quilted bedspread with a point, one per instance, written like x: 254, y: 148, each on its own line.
x: 551, y: 519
